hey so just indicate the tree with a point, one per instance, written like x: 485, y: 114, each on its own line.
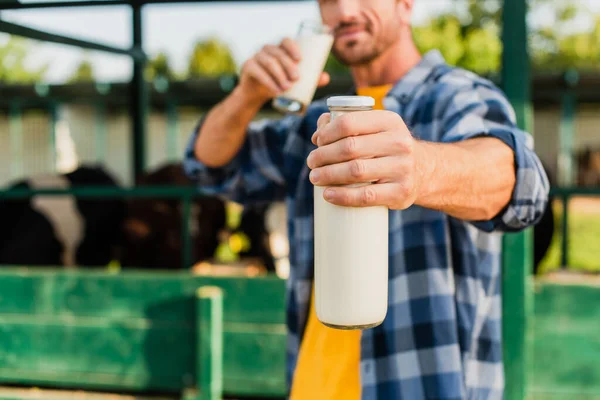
x: 83, y: 73
x: 211, y: 58
x: 13, y: 58
x: 474, y: 41
x: 159, y: 66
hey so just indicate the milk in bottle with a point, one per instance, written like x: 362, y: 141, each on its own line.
x: 351, y: 252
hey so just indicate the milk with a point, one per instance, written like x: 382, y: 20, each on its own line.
x: 351, y: 263
x: 315, y: 48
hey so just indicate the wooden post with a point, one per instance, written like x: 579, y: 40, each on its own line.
x: 209, y: 353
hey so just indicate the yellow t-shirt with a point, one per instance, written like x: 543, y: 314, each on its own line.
x: 328, y: 365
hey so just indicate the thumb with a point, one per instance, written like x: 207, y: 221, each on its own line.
x: 324, y: 79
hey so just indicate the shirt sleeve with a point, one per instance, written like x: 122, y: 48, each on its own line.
x: 256, y: 174
x: 482, y: 110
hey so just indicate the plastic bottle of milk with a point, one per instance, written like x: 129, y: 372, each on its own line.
x: 351, y: 251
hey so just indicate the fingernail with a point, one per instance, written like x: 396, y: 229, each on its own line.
x: 329, y: 194
x: 308, y: 159
x: 314, y: 176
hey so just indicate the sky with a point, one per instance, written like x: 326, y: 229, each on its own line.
x: 174, y: 28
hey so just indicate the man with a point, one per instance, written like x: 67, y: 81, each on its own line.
x: 449, y: 162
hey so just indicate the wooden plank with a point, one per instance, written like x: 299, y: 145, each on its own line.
x: 209, y: 343
x: 118, y: 356
x: 136, y: 331
x: 7, y: 393
x: 160, y: 295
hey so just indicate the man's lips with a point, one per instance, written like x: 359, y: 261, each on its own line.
x: 349, y: 33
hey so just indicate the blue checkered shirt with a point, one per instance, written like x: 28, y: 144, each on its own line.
x: 441, y: 338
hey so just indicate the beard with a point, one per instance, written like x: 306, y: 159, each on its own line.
x: 355, y: 53
x: 353, y: 58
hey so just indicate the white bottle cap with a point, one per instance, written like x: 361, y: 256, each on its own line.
x: 350, y: 101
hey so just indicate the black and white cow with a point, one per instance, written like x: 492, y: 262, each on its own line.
x: 152, y: 228
x: 61, y: 230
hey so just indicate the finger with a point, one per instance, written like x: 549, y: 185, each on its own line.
x: 350, y: 148
x: 358, y: 123
x: 380, y: 194
x: 273, y: 67
x: 289, y: 65
x: 357, y: 171
x: 291, y: 48
x: 324, y: 79
x: 323, y: 120
x: 259, y: 74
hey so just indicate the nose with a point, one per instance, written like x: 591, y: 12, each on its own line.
x: 348, y: 10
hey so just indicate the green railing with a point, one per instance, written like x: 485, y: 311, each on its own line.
x: 565, y: 194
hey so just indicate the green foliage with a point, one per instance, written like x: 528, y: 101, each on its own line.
x: 83, y: 73
x: 159, y: 66
x: 443, y: 33
x: 334, y: 67
x: 13, y: 58
x: 211, y: 58
x: 474, y: 42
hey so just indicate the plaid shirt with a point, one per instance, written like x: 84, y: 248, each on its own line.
x: 441, y: 338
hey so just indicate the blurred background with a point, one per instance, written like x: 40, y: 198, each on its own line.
x: 195, y: 51
x: 63, y: 108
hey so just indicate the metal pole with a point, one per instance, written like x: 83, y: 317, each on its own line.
x: 139, y: 97
x: 53, y: 119
x: 564, y: 261
x: 186, y: 237
x: 517, y: 248
x: 36, y: 34
x: 567, y: 133
x: 100, y: 128
x: 172, y: 131
x: 15, y: 129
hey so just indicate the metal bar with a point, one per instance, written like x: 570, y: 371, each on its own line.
x: 53, y: 120
x: 172, y: 131
x: 566, y: 136
x: 15, y: 133
x: 107, y: 191
x: 15, y: 5
x: 139, y: 98
x: 517, y: 248
x: 100, y: 129
x: 186, y: 237
x: 209, y: 345
x: 20, y: 30
x: 574, y: 191
x: 564, y: 259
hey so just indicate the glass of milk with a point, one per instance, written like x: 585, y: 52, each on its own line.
x: 351, y: 251
x: 315, y: 41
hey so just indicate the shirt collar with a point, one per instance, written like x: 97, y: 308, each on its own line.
x: 406, y: 87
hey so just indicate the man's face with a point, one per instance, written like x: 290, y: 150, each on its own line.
x: 364, y: 29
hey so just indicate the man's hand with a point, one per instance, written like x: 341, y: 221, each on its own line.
x: 273, y: 70
x: 367, y: 146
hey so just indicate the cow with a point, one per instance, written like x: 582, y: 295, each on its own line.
x: 151, y: 232
x: 61, y: 230
x: 588, y: 167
